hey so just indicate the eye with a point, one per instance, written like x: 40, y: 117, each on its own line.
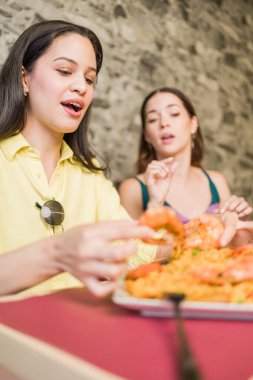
x: 90, y: 81
x: 150, y: 121
x: 64, y: 72
x: 174, y: 114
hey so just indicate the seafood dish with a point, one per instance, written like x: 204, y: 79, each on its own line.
x: 198, y: 267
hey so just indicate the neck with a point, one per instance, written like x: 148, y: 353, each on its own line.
x: 183, y: 169
x: 48, y: 144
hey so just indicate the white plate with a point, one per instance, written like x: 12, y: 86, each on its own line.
x: 201, y: 310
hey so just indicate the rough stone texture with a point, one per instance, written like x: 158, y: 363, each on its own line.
x: 205, y: 48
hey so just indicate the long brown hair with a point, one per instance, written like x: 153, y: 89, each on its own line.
x: 147, y: 152
x: 31, y: 45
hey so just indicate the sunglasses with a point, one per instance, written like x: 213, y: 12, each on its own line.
x: 52, y: 213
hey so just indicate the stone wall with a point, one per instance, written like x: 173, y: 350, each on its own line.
x: 203, y: 47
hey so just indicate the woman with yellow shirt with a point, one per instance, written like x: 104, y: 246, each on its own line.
x: 50, y: 180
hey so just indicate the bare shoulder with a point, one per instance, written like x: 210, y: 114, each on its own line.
x: 220, y: 182
x: 129, y: 184
x: 217, y: 177
x: 131, y: 196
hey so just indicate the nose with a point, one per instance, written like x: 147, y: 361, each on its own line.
x: 79, y: 85
x: 164, y: 120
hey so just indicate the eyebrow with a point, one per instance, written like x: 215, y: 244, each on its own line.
x: 168, y: 106
x: 90, y: 68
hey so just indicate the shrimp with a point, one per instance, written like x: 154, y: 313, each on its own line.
x: 163, y: 218
x: 203, y: 232
x: 243, y: 250
x: 238, y: 269
x: 143, y: 270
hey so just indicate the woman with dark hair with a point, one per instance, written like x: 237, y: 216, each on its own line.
x: 26, y: 51
x: 170, y: 163
x: 50, y: 179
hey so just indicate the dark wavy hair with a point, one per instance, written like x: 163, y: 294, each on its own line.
x: 31, y: 45
x: 147, y: 152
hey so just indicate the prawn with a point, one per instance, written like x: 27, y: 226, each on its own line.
x: 203, y: 232
x: 243, y: 250
x: 166, y: 219
x: 143, y: 270
x: 239, y: 269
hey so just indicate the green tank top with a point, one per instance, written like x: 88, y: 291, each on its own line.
x: 215, y: 198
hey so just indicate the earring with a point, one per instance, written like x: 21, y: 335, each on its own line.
x: 25, y: 93
x: 193, y: 138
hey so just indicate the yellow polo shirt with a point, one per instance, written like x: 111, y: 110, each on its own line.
x: 86, y: 197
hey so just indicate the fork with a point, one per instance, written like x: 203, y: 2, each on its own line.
x: 188, y: 369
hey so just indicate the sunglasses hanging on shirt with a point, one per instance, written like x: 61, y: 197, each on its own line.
x: 52, y: 213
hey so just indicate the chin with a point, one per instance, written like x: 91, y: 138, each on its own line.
x: 68, y: 129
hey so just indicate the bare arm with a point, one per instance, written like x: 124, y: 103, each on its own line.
x: 27, y: 266
x: 131, y: 197
x: 85, y: 252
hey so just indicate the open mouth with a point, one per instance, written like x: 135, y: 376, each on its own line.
x: 73, y: 107
x: 167, y: 137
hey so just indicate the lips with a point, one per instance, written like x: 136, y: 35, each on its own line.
x: 73, y: 106
x: 167, y: 138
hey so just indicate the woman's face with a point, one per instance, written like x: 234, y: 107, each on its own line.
x: 168, y: 126
x: 61, y: 84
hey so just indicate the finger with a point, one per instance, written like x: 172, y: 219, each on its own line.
x: 245, y: 213
x: 103, y: 269
x: 245, y: 225
x: 226, y: 204
x: 243, y: 207
x: 234, y: 204
x: 171, y: 165
x: 161, y: 164
x: 168, y: 160
x: 117, y: 230
x: 100, y: 288
x: 228, y: 235
x: 128, y: 232
x: 158, y: 170
x: 230, y: 227
x: 119, y: 252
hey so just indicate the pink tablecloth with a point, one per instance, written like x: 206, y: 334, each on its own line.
x: 127, y: 344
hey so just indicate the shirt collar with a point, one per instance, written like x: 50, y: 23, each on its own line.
x: 66, y: 152
x: 12, y: 145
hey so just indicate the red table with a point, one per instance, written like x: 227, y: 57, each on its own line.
x: 127, y: 344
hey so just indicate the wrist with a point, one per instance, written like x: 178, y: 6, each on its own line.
x: 54, y: 249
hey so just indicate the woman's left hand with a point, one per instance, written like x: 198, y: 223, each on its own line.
x: 238, y: 205
x: 236, y: 232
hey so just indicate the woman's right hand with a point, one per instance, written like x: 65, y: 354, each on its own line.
x: 158, y: 177
x: 88, y: 252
